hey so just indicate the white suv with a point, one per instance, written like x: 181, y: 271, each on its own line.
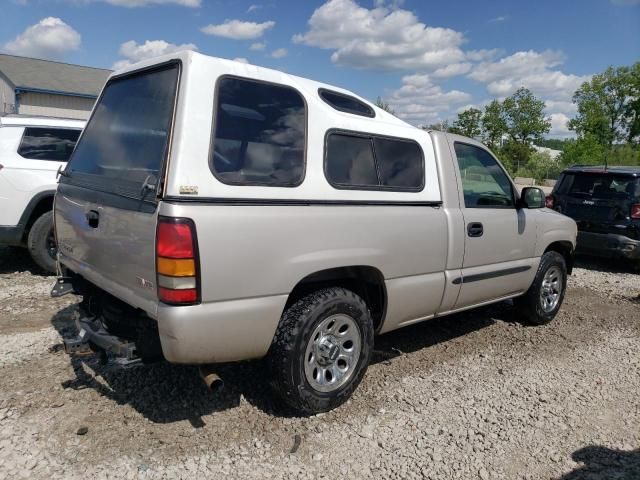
x: 32, y: 149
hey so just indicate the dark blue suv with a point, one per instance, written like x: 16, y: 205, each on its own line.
x: 605, y: 203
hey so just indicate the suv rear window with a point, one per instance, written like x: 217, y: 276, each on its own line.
x: 595, y: 185
x: 125, y: 141
x: 260, y: 131
x: 54, y: 144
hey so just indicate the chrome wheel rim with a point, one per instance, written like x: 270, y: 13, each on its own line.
x: 332, y: 353
x: 551, y: 289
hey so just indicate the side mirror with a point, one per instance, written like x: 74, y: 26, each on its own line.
x: 532, y: 197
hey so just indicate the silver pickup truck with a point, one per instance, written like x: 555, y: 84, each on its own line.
x: 215, y: 211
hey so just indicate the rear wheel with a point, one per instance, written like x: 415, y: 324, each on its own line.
x: 321, y: 350
x: 545, y: 295
x: 42, y: 243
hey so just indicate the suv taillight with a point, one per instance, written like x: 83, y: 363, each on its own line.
x: 177, y: 262
x: 635, y: 211
x: 548, y: 201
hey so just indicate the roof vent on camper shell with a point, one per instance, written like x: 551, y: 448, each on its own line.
x: 346, y: 103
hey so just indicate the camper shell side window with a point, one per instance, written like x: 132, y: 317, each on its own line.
x: 364, y: 161
x: 259, y: 133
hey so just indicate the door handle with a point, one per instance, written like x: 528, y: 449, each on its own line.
x: 475, y: 229
x: 93, y: 218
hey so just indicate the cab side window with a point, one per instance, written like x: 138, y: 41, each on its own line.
x: 484, y: 182
x: 54, y: 144
x: 260, y: 131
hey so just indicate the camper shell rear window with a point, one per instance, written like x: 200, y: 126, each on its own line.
x: 124, y: 145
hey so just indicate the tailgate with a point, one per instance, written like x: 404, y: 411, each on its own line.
x: 107, y: 201
x: 111, y: 246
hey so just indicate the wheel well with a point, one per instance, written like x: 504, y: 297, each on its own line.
x: 365, y: 281
x: 43, y: 205
x: 566, y: 250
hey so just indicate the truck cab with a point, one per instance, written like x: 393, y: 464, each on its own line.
x: 215, y: 211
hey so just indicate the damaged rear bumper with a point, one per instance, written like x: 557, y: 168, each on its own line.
x: 92, y: 337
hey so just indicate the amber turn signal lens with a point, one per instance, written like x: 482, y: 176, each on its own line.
x: 176, y: 267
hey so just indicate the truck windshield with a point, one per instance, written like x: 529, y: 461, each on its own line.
x: 603, y: 185
x: 125, y: 141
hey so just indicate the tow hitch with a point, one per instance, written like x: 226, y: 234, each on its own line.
x: 93, y: 338
x: 62, y: 287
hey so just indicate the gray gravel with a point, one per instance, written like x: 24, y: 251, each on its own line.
x: 475, y: 396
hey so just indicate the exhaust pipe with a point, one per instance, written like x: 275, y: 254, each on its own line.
x: 211, y: 379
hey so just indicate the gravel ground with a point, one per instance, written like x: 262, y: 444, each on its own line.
x: 474, y: 396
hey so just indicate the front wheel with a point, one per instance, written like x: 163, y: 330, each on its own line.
x: 321, y: 350
x: 42, y: 243
x: 540, y: 304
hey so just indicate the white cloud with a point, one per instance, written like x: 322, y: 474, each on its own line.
x: 241, y: 60
x: 530, y: 69
x: 501, y: 18
x: 258, y: 46
x: 134, y: 52
x: 559, y: 125
x: 49, y: 38
x: 419, y: 101
x: 253, y: 8
x: 238, y: 30
x: 483, y: 55
x: 144, y: 3
x: 279, y: 53
x: 382, y: 38
x: 539, y: 72
x: 452, y: 70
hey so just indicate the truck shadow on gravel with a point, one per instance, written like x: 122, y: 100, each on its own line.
x: 600, y: 463
x: 606, y: 265
x: 14, y: 259
x: 165, y: 393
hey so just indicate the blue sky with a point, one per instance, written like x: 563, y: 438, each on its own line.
x: 428, y: 59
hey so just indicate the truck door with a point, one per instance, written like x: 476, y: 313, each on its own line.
x: 499, y: 238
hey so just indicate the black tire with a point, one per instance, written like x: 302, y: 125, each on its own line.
x: 39, y: 243
x: 288, y: 350
x: 530, y: 305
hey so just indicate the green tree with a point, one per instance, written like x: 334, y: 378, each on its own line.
x: 380, y: 103
x: 514, y: 155
x: 540, y: 166
x: 586, y: 150
x: 524, y: 116
x: 494, y: 126
x: 608, y: 106
x: 633, y: 109
x: 468, y: 123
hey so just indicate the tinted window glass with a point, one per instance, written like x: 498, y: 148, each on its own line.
x: 54, y: 144
x: 598, y: 186
x: 349, y: 161
x: 126, y: 139
x: 346, y: 103
x: 259, y: 134
x: 400, y: 163
x: 484, y: 183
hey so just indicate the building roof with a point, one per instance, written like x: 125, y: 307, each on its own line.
x: 13, y: 120
x: 32, y: 74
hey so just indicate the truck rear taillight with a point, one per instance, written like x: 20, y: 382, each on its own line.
x: 548, y: 201
x: 177, y: 262
x: 635, y: 211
